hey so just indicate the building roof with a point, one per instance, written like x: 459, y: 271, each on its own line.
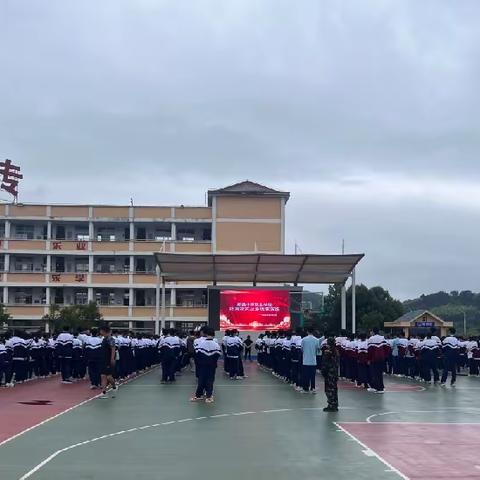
x: 257, y: 268
x: 247, y: 188
x: 414, y: 315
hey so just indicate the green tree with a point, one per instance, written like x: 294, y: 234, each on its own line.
x: 374, y: 306
x: 52, y: 317
x: 79, y: 317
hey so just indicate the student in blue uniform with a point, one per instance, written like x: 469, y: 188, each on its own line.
x: 93, y: 356
x: 207, y: 353
x: 5, y: 364
x: 64, y: 352
x: 169, y: 350
x: 450, y: 353
x: 19, y: 350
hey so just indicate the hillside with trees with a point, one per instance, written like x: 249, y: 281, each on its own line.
x: 451, y: 307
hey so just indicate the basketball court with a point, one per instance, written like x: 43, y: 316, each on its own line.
x: 258, y: 428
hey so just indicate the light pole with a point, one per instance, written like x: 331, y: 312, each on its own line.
x: 464, y: 323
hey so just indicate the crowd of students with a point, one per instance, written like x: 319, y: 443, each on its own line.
x: 25, y: 357
x: 104, y: 356
x: 294, y: 357
x: 364, y: 360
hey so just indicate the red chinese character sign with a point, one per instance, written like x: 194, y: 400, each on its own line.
x: 10, y: 175
x: 255, y: 309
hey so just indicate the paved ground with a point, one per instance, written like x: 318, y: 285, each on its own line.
x: 257, y: 428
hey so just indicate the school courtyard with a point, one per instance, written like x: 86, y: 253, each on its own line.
x: 257, y: 428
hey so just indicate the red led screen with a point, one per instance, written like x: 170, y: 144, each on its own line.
x: 255, y: 309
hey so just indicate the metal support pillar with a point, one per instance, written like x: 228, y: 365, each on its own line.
x: 354, y: 303
x: 344, y: 308
x: 157, y: 303
x: 164, y: 305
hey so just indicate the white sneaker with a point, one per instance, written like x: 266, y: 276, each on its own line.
x: 313, y: 392
x: 380, y: 392
x: 371, y: 390
x: 103, y: 395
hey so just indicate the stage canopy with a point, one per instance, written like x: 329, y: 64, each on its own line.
x: 257, y: 268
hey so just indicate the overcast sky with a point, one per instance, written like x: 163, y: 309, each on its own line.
x: 366, y: 111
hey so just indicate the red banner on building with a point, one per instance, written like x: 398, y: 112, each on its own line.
x: 9, y: 177
x: 255, y: 309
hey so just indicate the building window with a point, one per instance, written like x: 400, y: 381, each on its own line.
x: 24, y: 232
x: 81, y: 298
x: 186, y: 235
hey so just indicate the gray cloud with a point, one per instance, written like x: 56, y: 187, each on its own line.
x: 366, y: 111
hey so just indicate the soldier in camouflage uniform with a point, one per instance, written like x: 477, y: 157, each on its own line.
x: 330, y: 374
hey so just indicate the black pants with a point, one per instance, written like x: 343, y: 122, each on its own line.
x: 474, y: 363
x: 94, y: 372
x: 233, y: 366
x: 168, y: 369
x: 241, y: 371
x: 363, y: 377
x: 449, y: 365
x: 79, y: 368
x: 50, y: 363
x: 343, y: 366
x: 295, y: 372
x: 248, y: 353
x: 376, y: 375
x: 430, y: 365
x: 308, y: 377
x: 206, y: 377
x: 66, y: 368
x: 19, y: 368
x: 5, y: 373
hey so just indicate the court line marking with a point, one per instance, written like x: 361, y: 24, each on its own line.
x: 237, y: 384
x: 369, y: 419
x: 375, y: 415
x: 144, y: 427
x: 413, y: 423
x: 68, y: 410
x: 375, y: 454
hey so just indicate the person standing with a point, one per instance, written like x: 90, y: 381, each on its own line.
x: 330, y: 375
x: 378, y: 351
x: 248, y: 348
x: 64, y: 352
x: 207, y: 354
x: 450, y: 346
x: 108, y: 361
x: 310, y: 346
x: 190, y: 350
x: 20, y: 354
x: 429, y: 348
x: 169, y: 350
x: 363, y: 378
x: 296, y: 359
x: 5, y: 364
x: 233, y: 353
x: 94, y: 358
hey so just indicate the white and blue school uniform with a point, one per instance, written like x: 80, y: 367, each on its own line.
x: 207, y: 353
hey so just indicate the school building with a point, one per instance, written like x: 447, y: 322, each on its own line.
x: 419, y: 322
x: 74, y: 254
